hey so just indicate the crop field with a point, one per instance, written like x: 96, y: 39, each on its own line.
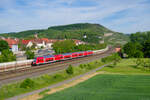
x: 123, y: 82
x: 107, y: 87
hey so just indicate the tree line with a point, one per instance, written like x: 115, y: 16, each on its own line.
x: 139, y: 46
x: 68, y: 46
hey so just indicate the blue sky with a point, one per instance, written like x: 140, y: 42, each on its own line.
x: 125, y: 16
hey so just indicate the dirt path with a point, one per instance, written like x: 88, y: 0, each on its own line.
x: 56, y: 85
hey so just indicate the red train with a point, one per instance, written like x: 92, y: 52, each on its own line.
x: 53, y: 58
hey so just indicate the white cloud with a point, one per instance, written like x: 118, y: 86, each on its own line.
x: 37, y: 14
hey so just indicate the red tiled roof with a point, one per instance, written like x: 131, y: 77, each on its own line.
x: 45, y: 39
x: 25, y: 41
x: 117, y: 49
x: 36, y: 41
x: 11, y: 41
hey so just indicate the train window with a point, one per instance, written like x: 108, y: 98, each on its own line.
x: 40, y: 60
x: 49, y: 59
x: 74, y: 54
x: 34, y: 60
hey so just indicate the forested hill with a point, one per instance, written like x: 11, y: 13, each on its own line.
x: 94, y: 33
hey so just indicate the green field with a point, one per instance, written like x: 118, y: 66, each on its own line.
x: 127, y: 66
x: 108, y: 87
x: 123, y: 82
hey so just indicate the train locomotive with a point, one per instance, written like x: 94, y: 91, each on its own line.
x: 60, y: 57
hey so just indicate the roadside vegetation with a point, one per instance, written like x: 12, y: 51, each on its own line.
x: 28, y: 85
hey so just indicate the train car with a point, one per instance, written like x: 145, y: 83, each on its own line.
x: 49, y: 59
x: 85, y: 53
x: 58, y: 57
x: 67, y: 56
x: 43, y: 60
x: 75, y: 55
x: 38, y: 60
x: 89, y: 53
x: 81, y: 54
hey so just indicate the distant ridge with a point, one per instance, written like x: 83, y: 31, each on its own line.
x: 94, y: 33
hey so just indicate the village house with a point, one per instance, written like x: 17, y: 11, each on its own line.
x: 78, y: 42
x: 13, y: 44
x: 43, y: 42
x: 28, y: 43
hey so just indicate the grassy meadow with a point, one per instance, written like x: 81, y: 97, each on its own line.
x: 126, y: 66
x: 124, y: 81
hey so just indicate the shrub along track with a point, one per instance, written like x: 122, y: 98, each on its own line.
x: 20, y: 74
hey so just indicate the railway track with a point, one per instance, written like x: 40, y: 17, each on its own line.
x: 19, y: 74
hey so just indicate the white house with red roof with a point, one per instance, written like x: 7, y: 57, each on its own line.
x: 13, y: 44
x: 28, y: 43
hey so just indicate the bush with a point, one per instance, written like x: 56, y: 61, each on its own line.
x: 138, y: 62
x: 27, y: 83
x: 29, y: 54
x: 146, y: 63
x: 114, y: 57
x: 70, y: 70
x: 139, y: 54
x: 56, y: 76
x: 7, y: 56
x: 89, y: 66
x: 81, y: 66
x: 3, y: 45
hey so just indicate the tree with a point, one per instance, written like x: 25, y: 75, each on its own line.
x: 33, y: 46
x: 64, y: 46
x: 29, y: 54
x: 146, y: 49
x: 138, y: 54
x: 132, y: 49
x: 116, y: 59
x: 3, y: 45
x: 70, y: 70
x: 1, y: 58
x: 138, y: 62
x: 27, y: 83
x: 7, y: 56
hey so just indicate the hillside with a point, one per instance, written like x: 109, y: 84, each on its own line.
x: 94, y: 33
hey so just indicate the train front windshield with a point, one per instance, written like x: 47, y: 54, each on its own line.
x: 34, y: 60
